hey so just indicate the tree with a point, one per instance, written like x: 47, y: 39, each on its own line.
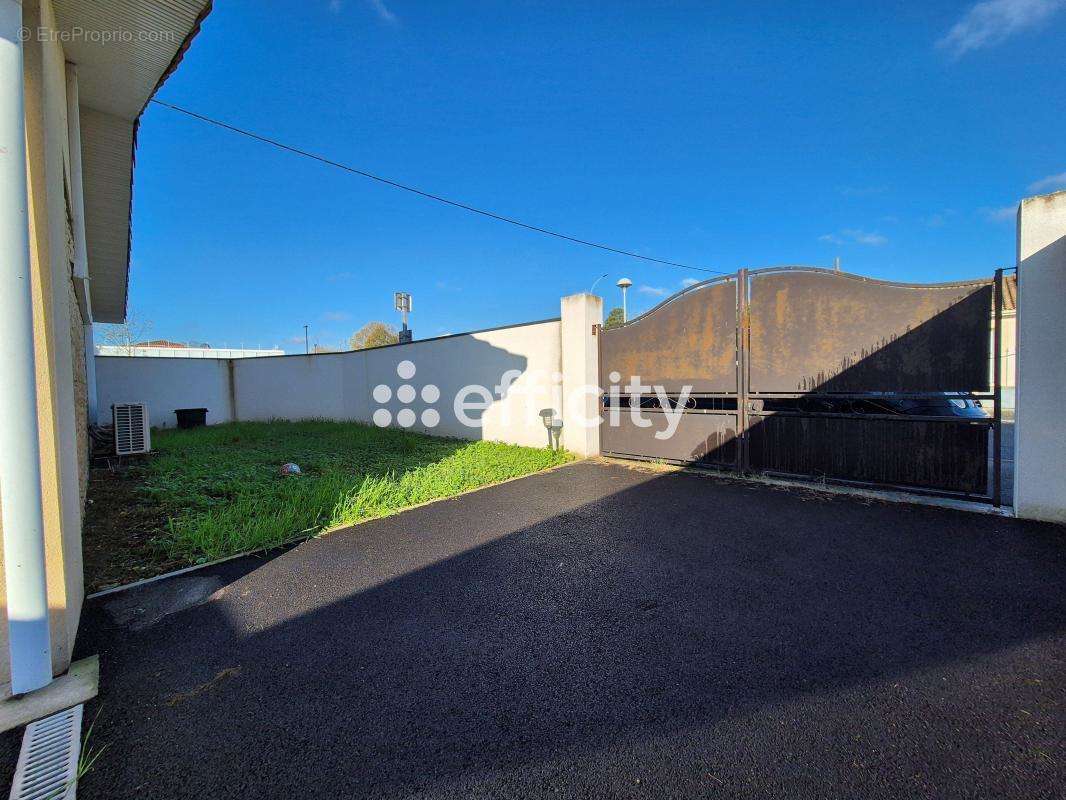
x: 373, y: 334
x: 614, y: 319
x: 323, y: 348
x: 127, y: 334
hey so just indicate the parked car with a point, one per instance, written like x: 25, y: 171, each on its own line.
x: 937, y: 406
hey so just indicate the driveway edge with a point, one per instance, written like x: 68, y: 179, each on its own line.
x: 297, y: 539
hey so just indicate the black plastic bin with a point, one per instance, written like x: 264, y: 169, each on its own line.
x: 191, y: 417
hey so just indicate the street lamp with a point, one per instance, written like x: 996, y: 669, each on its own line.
x: 624, y: 284
x: 553, y: 425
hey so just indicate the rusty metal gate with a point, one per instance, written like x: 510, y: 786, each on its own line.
x: 814, y: 373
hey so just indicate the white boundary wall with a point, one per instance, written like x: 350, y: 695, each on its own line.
x: 519, y: 367
x: 164, y: 384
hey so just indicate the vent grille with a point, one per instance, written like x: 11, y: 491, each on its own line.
x: 48, y: 764
x: 131, y: 428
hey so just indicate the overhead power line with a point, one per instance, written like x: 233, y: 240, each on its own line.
x: 428, y: 195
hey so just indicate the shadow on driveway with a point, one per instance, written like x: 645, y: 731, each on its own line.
x: 607, y: 632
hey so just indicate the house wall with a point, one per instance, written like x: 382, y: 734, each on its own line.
x: 1040, y: 428
x: 81, y: 394
x: 519, y: 368
x: 164, y: 384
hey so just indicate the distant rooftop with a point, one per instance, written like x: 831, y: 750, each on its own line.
x: 168, y: 343
x: 164, y: 348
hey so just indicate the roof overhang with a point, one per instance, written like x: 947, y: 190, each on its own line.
x: 123, y: 51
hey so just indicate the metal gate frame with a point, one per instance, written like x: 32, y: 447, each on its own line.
x: 733, y: 397
x: 749, y: 410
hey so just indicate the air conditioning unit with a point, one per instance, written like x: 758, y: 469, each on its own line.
x: 132, y: 435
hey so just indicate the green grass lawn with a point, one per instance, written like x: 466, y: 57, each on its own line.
x: 221, y: 489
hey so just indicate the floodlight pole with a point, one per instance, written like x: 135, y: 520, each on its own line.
x: 402, y: 301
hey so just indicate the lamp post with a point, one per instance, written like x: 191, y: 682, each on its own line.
x: 553, y: 425
x: 624, y: 284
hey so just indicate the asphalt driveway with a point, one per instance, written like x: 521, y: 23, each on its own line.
x: 599, y: 631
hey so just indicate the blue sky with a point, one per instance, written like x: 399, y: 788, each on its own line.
x: 896, y: 136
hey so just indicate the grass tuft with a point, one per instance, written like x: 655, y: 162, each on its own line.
x: 222, y: 492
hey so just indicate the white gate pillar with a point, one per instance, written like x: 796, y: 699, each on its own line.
x: 1040, y: 426
x: 581, y: 373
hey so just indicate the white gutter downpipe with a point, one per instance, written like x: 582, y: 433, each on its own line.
x: 20, y: 464
x: 90, y: 373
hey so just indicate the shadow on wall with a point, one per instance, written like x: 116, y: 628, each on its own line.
x: 516, y: 631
